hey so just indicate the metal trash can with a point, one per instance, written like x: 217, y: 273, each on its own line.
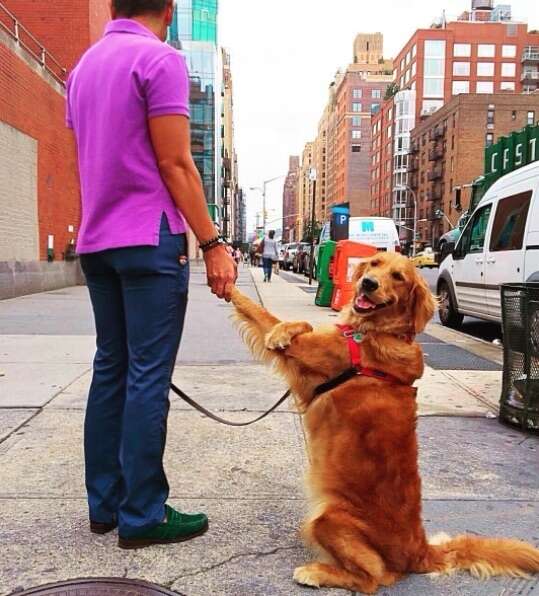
x: 519, y: 403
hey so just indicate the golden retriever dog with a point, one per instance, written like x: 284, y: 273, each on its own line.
x: 365, y: 491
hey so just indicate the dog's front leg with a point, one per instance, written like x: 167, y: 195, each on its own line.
x: 281, y: 336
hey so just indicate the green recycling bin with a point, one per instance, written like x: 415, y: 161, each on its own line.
x: 325, y: 283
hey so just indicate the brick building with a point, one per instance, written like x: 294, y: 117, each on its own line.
x: 67, y: 28
x: 290, y: 200
x: 447, y: 154
x: 343, y: 143
x: 39, y: 191
x: 483, y: 51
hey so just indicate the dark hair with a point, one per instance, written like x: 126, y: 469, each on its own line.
x: 271, y: 234
x: 131, y: 8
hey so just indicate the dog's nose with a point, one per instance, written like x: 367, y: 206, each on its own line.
x: 369, y: 284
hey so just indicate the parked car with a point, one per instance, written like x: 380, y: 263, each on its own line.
x: 425, y: 258
x: 289, y: 254
x: 499, y: 244
x: 299, y: 257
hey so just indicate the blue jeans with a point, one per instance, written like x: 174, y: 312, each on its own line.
x: 267, y: 263
x: 139, y: 297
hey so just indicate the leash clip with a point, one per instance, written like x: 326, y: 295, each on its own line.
x: 355, y: 335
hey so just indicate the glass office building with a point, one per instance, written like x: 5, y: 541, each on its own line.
x: 194, y: 33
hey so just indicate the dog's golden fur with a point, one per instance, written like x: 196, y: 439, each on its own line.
x: 365, y: 490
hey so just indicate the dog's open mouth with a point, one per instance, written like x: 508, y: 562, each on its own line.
x: 363, y: 304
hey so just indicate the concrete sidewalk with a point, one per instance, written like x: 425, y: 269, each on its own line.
x: 477, y: 475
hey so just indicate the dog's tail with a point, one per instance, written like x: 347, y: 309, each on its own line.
x: 254, y: 323
x: 482, y: 557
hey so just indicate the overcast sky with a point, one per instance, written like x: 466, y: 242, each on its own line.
x: 284, y: 55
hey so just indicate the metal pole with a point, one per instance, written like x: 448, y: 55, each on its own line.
x: 415, y: 222
x: 313, y: 223
x: 264, y: 208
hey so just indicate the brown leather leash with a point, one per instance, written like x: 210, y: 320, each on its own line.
x: 216, y: 418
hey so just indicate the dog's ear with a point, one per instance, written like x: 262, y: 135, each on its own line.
x: 423, y: 304
x: 360, y: 270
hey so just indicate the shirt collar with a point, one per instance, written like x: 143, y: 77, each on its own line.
x: 128, y: 26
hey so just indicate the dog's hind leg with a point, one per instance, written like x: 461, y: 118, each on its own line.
x: 356, y: 565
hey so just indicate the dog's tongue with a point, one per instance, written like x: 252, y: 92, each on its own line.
x: 364, y: 303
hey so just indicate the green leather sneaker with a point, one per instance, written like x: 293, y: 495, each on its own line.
x: 178, y: 528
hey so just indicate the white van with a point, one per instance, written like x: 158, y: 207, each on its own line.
x: 377, y: 231
x: 500, y: 244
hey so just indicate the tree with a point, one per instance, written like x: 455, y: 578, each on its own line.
x: 391, y: 91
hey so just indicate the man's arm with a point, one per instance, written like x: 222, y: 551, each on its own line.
x: 171, y: 140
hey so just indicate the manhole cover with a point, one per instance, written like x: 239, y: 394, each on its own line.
x: 99, y: 587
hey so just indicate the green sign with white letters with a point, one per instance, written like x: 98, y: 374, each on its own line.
x: 512, y: 152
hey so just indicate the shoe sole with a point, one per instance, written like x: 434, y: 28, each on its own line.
x: 99, y: 528
x: 133, y: 543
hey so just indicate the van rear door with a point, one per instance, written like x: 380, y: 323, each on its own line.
x: 504, y: 250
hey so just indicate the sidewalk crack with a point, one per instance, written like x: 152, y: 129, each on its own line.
x: 233, y: 558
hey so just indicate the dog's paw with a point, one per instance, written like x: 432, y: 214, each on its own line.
x: 279, y: 338
x: 306, y: 576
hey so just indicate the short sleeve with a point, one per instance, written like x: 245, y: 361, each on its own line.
x: 69, y: 121
x: 167, y: 87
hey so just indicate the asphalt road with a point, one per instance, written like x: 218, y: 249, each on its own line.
x: 485, y: 330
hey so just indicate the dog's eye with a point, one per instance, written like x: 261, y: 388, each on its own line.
x: 374, y: 263
x: 397, y: 276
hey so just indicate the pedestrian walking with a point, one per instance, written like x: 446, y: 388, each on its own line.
x: 270, y: 254
x: 128, y: 105
x: 238, y: 256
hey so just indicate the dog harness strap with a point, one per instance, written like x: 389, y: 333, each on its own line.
x: 354, y: 347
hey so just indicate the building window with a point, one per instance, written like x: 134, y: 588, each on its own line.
x: 356, y: 134
x: 376, y: 94
x: 462, y: 50
x: 510, y: 222
x: 356, y: 121
x: 461, y: 69
x: 375, y: 108
x: 531, y: 118
x: 509, y: 51
x: 461, y: 87
x: 389, y: 131
x: 509, y: 69
x: 356, y: 107
x: 507, y: 86
x: 414, y: 69
x: 485, y: 87
x: 357, y: 93
x: 490, y: 139
x: 356, y: 148
x: 485, y: 69
x: 431, y: 105
x: 514, y: 115
x: 433, y: 88
x: 490, y: 117
x: 414, y: 50
x: 402, y: 64
x: 486, y: 50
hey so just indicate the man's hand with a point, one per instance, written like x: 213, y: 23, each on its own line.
x: 221, y: 271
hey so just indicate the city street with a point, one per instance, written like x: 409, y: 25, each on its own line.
x: 478, y: 476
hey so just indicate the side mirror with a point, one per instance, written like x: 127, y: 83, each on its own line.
x: 447, y: 249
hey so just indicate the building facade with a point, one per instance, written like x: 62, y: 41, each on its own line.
x: 481, y: 52
x: 447, y: 154
x: 231, y: 197
x: 290, y: 200
x: 194, y: 33
x: 39, y: 186
x: 304, y: 192
x: 342, y: 148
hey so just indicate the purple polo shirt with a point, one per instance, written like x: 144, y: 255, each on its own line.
x: 126, y: 78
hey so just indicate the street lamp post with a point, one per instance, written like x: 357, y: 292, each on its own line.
x: 312, y: 178
x: 414, y: 198
x: 263, y: 190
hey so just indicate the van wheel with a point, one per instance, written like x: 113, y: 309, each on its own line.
x: 449, y: 315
